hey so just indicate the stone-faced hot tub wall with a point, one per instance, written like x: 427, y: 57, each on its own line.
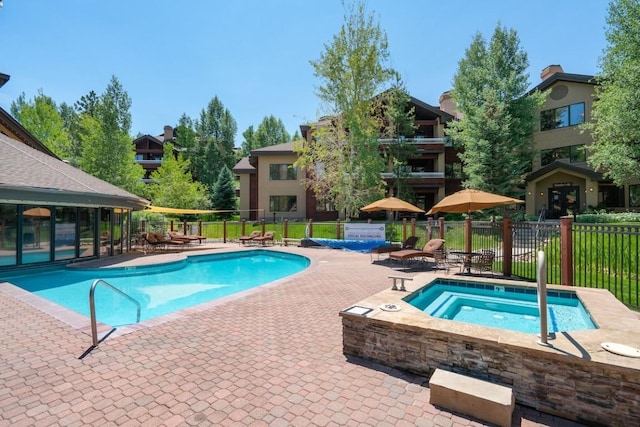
x: 574, y: 379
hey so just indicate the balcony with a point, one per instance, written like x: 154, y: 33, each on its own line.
x: 415, y: 141
x: 149, y: 162
x: 415, y: 175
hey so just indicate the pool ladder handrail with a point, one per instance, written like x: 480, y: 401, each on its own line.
x: 92, y: 306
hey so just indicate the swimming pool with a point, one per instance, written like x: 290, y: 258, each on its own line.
x: 160, y: 289
x: 506, y: 307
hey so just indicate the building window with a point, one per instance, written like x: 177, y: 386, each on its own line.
x: 282, y: 172
x: 578, y: 153
x: 574, y: 153
x: 634, y: 196
x: 610, y: 196
x: 283, y: 203
x: 453, y: 171
x: 324, y: 205
x: 561, y: 117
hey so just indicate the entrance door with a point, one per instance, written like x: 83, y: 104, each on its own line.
x: 563, y: 201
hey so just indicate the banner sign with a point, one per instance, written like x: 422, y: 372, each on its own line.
x: 364, y: 232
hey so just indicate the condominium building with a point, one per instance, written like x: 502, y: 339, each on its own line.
x: 561, y: 181
x: 270, y: 184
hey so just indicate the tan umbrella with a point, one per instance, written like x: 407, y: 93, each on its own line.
x: 467, y: 201
x: 391, y: 204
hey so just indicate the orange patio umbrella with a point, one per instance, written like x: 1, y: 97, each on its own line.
x: 391, y: 204
x: 467, y: 201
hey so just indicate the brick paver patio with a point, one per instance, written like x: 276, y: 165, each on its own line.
x: 268, y: 357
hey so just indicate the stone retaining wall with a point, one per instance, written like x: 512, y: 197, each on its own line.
x: 572, y: 387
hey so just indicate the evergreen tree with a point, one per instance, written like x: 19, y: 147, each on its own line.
x: 224, y: 193
x: 173, y: 185
x: 616, y: 108
x: 108, y: 152
x: 186, y: 141
x: 498, y: 117
x: 215, y: 134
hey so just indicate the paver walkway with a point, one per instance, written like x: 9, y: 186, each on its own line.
x: 269, y: 357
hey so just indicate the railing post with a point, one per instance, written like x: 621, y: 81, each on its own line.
x: 262, y: 223
x: 441, y: 228
x: 428, y: 228
x: 404, y: 229
x: 200, y: 228
x: 566, y: 251
x: 311, y: 227
x: 467, y: 234
x: 184, y: 227
x: 413, y: 227
x: 285, y: 231
x: 507, y: 247
x: 224, y: 231
x: 242, y: 226
x: 338, y: 229
x: 143, y: 226
x: 171, y: 225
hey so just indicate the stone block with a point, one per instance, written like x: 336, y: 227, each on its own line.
x: 470, y: 396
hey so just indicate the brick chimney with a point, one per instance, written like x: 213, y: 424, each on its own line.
x: 448, y: 105
x: 550, y: 71
x: 168, y: 133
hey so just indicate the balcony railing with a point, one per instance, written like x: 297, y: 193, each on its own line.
x: 148, y: 162
x: 414, y: 175
x: 414, y: 141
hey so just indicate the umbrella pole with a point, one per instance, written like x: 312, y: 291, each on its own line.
x: 467, y: 234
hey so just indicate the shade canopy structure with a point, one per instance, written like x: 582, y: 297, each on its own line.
x: 467, y: 201
x: 37, y: 212
x: 392, y: 204
x: 161, y: 209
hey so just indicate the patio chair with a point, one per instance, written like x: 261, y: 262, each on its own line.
x: 248, y: 239
x: 410, y: 243
x: 267, y: 237
x: 174, y: 235
x: 432, y: 249
x: 484, y: 262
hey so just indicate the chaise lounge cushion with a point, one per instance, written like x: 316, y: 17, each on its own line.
x: 428, y: 250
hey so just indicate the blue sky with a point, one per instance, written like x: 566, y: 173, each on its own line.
x: 173, y: 57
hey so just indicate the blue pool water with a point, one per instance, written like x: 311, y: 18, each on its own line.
x: 160, y: 289
x: 505, y: 307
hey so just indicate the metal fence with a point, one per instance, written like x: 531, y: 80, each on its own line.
x: 605, y: 256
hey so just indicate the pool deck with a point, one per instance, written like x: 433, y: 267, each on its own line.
x: 271, y: 356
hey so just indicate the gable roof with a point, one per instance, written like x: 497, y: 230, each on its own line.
x: 597, y: 176
x: 244, y: 166
x: 30, y: 176
x: 278, y: 149
x: 424, y: 109
x: 564, y: 77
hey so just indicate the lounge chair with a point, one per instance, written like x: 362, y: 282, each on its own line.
x: 157, y: 240
x: 410, y: 243
x: 433, y: 249
x: 174, y: 235
x: 247, y: 239
x: 267, y: 237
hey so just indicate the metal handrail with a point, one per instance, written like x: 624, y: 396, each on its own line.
x: 92, y: 307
